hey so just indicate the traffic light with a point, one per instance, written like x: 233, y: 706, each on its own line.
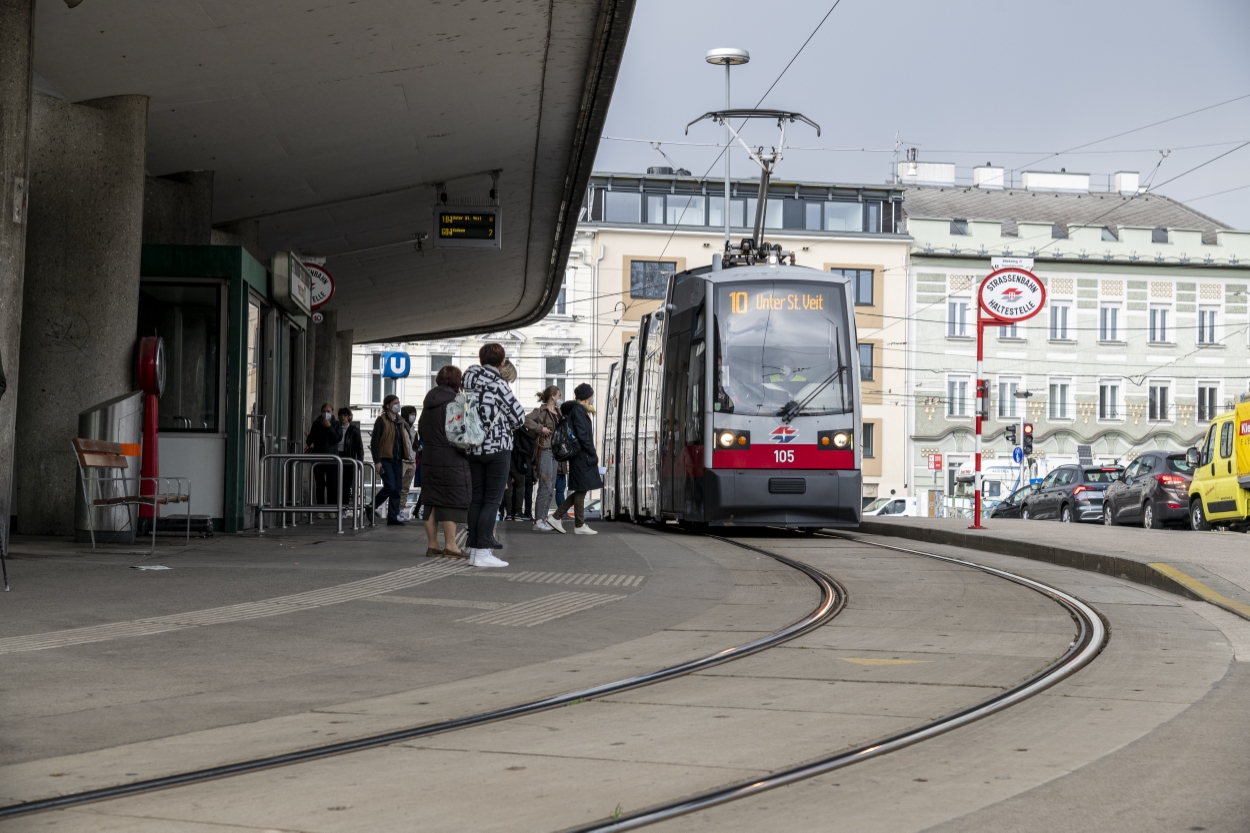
x: 1026, y: 444
x: 1011, y: 433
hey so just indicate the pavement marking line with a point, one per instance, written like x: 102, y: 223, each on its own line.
x: 870, y: 661
x: 537, y: 611
x: 410, y: 600
x: 535, y: 577
x: 1207, y: 593
x: 366, y: 588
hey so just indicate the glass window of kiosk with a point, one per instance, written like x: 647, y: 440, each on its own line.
x: 188, y: 317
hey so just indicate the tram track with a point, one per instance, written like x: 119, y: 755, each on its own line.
x: 1090, y: 639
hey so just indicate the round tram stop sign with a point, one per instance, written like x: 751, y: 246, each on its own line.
x: 1011, y: 294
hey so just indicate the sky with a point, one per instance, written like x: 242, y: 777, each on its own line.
x: 1007, y: 82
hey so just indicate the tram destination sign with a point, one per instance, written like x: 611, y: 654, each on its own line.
x: 467, y: 226
x: 1011, y: 294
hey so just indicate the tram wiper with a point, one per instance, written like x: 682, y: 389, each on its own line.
x: 791, y: 409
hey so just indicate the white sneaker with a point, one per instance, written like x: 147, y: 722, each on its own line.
x: 485, y: 558
x: 554, y: 523
x: 584, y: 530
x: 542, y: 526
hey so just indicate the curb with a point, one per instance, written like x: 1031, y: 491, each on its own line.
x: 1109, y: 565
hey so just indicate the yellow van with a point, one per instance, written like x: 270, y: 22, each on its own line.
x: 1220, y: 491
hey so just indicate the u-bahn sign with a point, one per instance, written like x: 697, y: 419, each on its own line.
x: 395, y: 365
x: 1011, y: 294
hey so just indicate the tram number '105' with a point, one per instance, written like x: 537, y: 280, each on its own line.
x: 786, y: 456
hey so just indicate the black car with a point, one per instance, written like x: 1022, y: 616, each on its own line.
x: 1011, y: 505
x: 1071, y: 493
x: 1153, y: 491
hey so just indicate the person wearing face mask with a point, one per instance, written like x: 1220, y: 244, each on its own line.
x: 390, y: 448
x: 541, y: 425
x: 584, y: 472
x: 408, y: 422
x: 324, y: 437
x: 352, y: 447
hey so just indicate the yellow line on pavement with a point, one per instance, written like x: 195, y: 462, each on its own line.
x: 1202, y: 590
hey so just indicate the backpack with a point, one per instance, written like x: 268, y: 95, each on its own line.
x: 523, y: 448
x: 463, y: 425
x: 564, y: 444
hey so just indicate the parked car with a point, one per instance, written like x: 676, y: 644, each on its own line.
x: 1010, y: 506
x: 1219, y: 494
x: 903, y: 506
x: 1153, y: 491
x: 1071, y: 493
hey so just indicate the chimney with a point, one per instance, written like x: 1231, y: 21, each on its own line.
x: 926, y: 173
x: 1127, y: 182
x: 987, y: 176
x: 1051, y: 181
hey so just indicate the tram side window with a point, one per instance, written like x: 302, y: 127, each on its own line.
x: 694, y: 413
x: 188, y: 318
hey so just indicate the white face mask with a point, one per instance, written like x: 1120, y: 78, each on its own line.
x: 395, y: 408
x: 412, y: 418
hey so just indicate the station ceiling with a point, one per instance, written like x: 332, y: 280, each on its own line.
x: 331, y: 121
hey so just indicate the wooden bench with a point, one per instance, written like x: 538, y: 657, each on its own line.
x: 97, y: 458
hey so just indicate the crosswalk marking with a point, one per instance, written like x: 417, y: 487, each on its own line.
x: 537, y: 611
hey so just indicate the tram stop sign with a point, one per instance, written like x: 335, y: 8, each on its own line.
x: 1011, y: 294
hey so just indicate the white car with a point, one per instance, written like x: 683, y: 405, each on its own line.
x: 906, y: 506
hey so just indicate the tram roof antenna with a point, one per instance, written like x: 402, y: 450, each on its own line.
x: 766, y: 161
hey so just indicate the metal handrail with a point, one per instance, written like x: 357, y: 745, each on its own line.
x: 285, y: 508
x: 288, y: 504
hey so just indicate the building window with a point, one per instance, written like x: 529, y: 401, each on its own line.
x: 1109, y: 323
x: 437, y: 362
x: 1010, y: 331
x: 844, y: 216
x: 555, y: 372
x: 1158, y: 409
x: 957, y: 317
x: 1109, y: 235
x: 811, y: 216
x: 1159, y: 324
x: 655, y: 209
x: 865, y: 362
x: 957, y: 397
x: 188, y: 317
x: 1007, y: 398
x: 867, y: 438
x: 379, y: 387
x: 649, y: 278
x: 1058, y: 407
x: 959, y: 227
x: 685, y: 210
x: 561, y: 306
x: 1208, y: 395
x: 1206, y: 325
x: 1109, y: 400
x: 622, y: 207
x: 1059, y: 321
x: 1159, y: 234
x: 861, y: 284
x: 773, y: 216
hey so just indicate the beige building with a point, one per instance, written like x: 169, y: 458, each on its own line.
x: 637, y: 229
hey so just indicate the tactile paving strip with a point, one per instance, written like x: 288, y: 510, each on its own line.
x: 537, y: 611
x: 337, y: 594
x: 585, y: 579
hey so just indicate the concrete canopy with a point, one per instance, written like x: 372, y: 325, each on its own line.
x: 330, y: 121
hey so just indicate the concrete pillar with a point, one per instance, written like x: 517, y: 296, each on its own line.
x: 17, y: 19
x: 178, y: 209
x: 325, y: 352
x: 81, y: 298
x: 343, y: 372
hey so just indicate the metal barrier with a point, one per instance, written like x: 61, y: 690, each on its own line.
x: 288, y: 504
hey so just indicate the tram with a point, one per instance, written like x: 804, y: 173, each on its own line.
x: 737, y: 403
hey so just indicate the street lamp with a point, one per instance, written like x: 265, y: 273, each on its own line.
x: 727, y: 57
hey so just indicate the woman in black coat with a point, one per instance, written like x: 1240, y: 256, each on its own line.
x: 446, y: 485
x: 584, y: 465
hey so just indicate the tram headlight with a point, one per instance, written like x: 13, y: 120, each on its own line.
x: 835, y: 440
x: 730, y: 438
x: 726, y: 439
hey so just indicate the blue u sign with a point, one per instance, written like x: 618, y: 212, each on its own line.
x: 395, y: 365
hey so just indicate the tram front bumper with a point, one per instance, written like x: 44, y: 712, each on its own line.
x: 772, y: 497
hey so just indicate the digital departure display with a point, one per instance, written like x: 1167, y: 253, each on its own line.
x: 457, y: 225
x: 741, y: 302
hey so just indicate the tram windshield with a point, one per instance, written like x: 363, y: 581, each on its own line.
x: 782, y: 349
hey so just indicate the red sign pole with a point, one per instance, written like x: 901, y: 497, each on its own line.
x: 981, y: 400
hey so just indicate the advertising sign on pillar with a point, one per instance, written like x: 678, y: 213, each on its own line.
x: 1007, y: 295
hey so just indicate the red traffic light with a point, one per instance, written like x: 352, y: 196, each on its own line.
x: 1028, y: 428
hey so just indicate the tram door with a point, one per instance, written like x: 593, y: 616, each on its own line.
x: 611, y: 427
x: 682, y: 415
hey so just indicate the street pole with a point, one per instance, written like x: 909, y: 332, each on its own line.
x: 981, y: 400
x: 727, y: 57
